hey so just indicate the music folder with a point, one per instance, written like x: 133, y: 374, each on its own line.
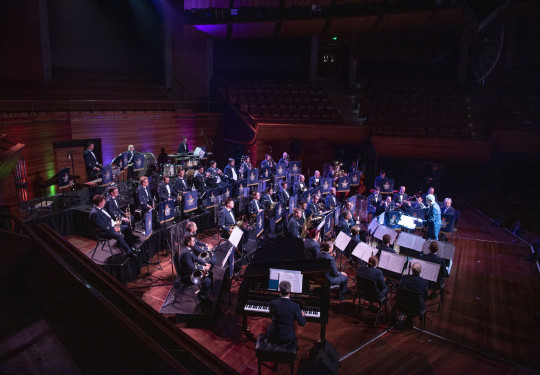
x: 392, y: 262
x: 446, y: 250
x: 430, y: 271
x: 364, y: 251
x: 410, y: 241
x: 235, y: 236
x: 342, y: 240
x: 373, y: 225
x: 382, y: 230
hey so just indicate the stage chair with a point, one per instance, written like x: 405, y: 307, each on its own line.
x: 101, y: 241
x: 268, y: 352
x: 178, y: 285
x: 366, y: 289
x: 408, y: 303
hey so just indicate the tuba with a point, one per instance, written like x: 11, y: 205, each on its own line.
x: 198, y: 275
x: 206, y: 256
x: 268, y: 211
x: 305, y: 227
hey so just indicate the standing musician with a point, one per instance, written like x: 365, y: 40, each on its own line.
x: 330, y: 173
x: 284, y: 195
x: 267, y: 199
x: 166, y: 191
x: 180, y: 184
x: 113, y: 208
x: 431, y: 191
x: 378, y: 179
x: 131, y: 156
x: 401, y: 198
x: 146, y: 202
x: 226, y: 219
x: 199, y: 246
x: 284, y: 312
x: 315, y: 180
x: 331, y: 200
x: 311, y: 244
x: 268, y: 162
x: 91, y: 164
x: 284, y: 160
x: 353, y: 168
x: 183, y: 148
x: 374, y: 200
x: 303, y: 211
x: 313, y: 207
x: 334, y: 277
x: 230, y: 171
x: 343, y: 224
x: 105, y: 225
x: 245, y: 168
x: 295, y: 224
x: 299, y: 186
x: 200, y: 178
x: 186, y: 266
x: 433, y: 218
x: 254, y: 206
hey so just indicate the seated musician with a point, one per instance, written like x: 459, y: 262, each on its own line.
x: 315, y: 180
x: 186, y: 266
x: 183, y: 148
x: 373, y: 273
x: 299, y: 186
x: 415, y: 283
x: 230, y: 171
x: 419, y: 203
x: 199, y: 247
x: 284, y: 195
x: 284, y: 160
x: 213, y: 174
x: 200, y: 179
x: 91, y: 164
x: 313, y: 206
x: 166, y: 190
x: 267, y: 200
x: 343, y: 224
x: 431, y: 191
x: 304, y: 213
x: 334, y: 277
x: 226, y: 219
x: 330, y: 173
x: 374, y: 200
x: 353, y: 168
x: 255, y: 206
x: 434, y: 258
x: 113, y: 208
x: 448, y: 209
x: 378, y: 179
x: 401, y: 199
x: 284, y: 312
x: 385, y: 246
x: 355, y: 240
x: 295, y: 224
x: 311, y: 244
x: 105, y: 225
x: 268, y: 162
x: 386, y: 205
x: 180, y: 184
x: 348, y: 206
x: 144, y: 198
x: 331, y: 200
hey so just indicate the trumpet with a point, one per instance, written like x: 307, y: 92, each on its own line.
x: 128, y: 213
x: 198, y: 275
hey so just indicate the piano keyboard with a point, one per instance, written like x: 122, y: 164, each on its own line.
x: 264, y: 308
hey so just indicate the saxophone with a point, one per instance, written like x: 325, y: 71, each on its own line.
x: 306, y: 226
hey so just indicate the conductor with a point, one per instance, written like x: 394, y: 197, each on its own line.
x: 284, y: 312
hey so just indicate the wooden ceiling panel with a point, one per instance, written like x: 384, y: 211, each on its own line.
x: 303, y: 27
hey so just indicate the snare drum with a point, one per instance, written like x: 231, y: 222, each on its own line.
x: 168, y: 170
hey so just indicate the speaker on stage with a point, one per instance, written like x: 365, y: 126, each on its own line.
x: 323, y: 360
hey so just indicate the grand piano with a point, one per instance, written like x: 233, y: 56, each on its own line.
x: 254, y: 296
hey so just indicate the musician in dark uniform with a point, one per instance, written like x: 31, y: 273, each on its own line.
x: 374, y: 200
x: 200, y: 179
x: 333, y: 276
x: 226, y: 219
x: 112, y: 207
x: 166, y: 191
x: 267, y: 200
x: 315, y: 180
x: 230, y: 171
x: 343, y: 225
x: 373, y: 273
x: 130, y: 156
x: 433, y: 218
x: 330, y: 173
x: 295, y: 224
x: 355, y: 240
x: 386, y: 205
x: 180, y: 184
x: 331, y: 200
x: 415, y: 283
x: 385, y: 246
x: 448, y: 209
x: 299, y: 186
x: 105, y: 225
x: 431, y: 191
x: 378, y: 179
x: 183, y: 148
x: 284, y: 312
x: 255, y: 206
x: 144, y: 197
x: 284, y: 160
x: 213, y: 175
x: 303, y: 212
x: 245, y: 168
x: 313, y: 207
x: 199, y: 247
x: 311, y: 244
x: 284, y: 194
x: 90, y: 162
x: 186, y: 266
x: 434, y: 258
x: 401, y: 199
x: 268, y: 162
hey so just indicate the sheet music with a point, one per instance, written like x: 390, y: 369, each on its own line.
x: 446, y: 250
x: 430, y: 271
x: 392, y: 262
x: 235, y: 236
x: 373, y: 226
x: 408, y: 222
x: 410, y: 241
x: 363, y: 251
x: 226, y: 258
x: 294, y: 278
x: 382, y: 230
x: 342, y: 240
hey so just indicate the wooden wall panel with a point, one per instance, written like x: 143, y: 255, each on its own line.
x: 318, y: 141
x: 433, y: 149
x: 517, y: 142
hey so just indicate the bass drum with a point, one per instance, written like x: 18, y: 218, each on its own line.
x: 150, y: 164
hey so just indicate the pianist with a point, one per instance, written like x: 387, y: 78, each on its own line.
x: 284, y: 312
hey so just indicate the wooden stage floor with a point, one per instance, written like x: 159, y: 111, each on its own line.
x: 489, y: 322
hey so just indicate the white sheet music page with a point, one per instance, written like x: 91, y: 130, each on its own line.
x: 364, y: 251
x: 373, y: 225
x: 395, y: 262
x: 410, y: 241
x: 430, y: 271
x: 294, y: 278
x: 382, y: 230
x: 342, y: 240
x: 235, y: 236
